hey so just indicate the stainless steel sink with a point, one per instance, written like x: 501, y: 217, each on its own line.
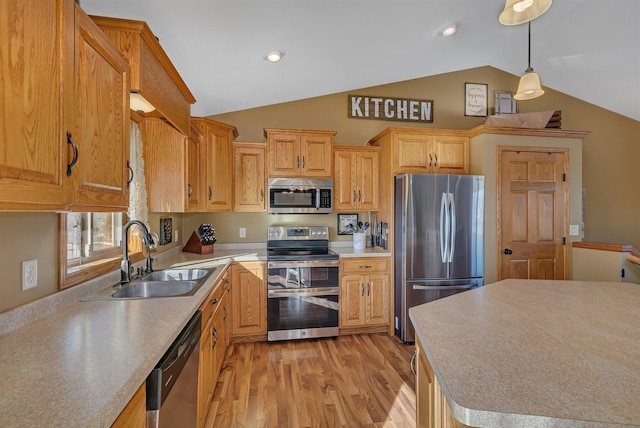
x: 147, y: 289
x: 173, y: 282
x: 176, y: 275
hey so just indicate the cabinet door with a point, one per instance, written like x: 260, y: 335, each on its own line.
x: 377, y: 299
x: 412, y: 154
x: 219, y: 165
x: 206, y: 384
x: 194, y: 173
x: 451, y: 154
x: 101, y: 114
x: 164, y: 151
x: 368, y: 181
x: 250, y: 181
x: 284, y: 155
x: 34, y: 156
x: 352, y: 301
x: 315, y: 152
x: 345, y: 180
x: 249, y: 299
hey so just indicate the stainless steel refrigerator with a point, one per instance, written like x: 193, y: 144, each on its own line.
x: 439, y: 240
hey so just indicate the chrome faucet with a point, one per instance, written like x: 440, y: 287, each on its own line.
x: 125, y: 266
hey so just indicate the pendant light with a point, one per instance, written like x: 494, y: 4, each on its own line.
x: 529, y: 86
x: 518, y: 12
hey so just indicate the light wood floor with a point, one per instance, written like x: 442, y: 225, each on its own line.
x: 355, y: 381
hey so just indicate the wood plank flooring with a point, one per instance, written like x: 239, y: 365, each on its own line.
x: 355, y: 381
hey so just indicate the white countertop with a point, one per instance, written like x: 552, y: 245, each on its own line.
x: 70, y: 363
x: 537, y: 353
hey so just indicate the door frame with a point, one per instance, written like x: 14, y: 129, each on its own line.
x: 565, y: 188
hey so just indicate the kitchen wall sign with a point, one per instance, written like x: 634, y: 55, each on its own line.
x: 475, y: 99
x: 383, y: 108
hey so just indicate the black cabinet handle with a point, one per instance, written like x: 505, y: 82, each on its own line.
x: 507, y: 251
x: 130, y: 175
x: 210, y: 193
x: 75, y: 154
x: 190, y: 190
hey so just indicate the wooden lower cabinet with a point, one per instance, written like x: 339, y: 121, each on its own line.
x: 213, y: 343
x: 134, y: 415
x: 365, y: 293
x: 249, y: 300
x: 432, y: 410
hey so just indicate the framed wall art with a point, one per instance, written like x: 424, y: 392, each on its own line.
x: 345, y: 222
x: 475, y: 99
x: 504, y: 103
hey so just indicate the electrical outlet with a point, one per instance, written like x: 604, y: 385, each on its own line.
x: 574, y: 229
x: 243, y: 232
x: 29, y: 274
x: 176, y: 235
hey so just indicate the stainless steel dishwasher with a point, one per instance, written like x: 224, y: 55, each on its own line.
x: 172, y: 386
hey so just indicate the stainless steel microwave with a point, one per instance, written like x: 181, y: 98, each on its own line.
x: 300, y: 195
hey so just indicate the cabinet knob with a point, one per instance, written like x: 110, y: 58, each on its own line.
x: 507, y: 251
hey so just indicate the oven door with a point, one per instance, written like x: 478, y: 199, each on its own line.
x: 308, y: 274
x: 302, y: 314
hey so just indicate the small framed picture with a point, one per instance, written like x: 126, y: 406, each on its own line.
x: 347, y: 223
x: 475, y: 99
x: 504, y: 102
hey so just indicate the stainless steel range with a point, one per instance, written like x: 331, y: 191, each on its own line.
x: 302, y: 283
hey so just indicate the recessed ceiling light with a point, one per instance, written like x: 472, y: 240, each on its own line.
x: 274, y: 56
x: 449, y: 31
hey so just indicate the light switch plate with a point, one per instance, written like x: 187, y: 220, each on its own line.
x: 574, y: 229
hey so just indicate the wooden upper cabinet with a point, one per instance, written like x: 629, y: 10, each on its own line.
x: 356, y: 178
x: 195, y: 163
x: 152, y: 73
x: 218, y: 165
x: 249, y: 177
x: 101, y: 114
x: 423, y: 151
x: 165, y: 156
x: 61, y: 75
x: 299, y: 153
x: 33, y: 136
x: 419, y: 152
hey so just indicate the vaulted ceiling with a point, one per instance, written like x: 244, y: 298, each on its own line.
x: 589, y: 49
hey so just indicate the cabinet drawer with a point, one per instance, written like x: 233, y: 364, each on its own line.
x: 209, y: 306
x: 365, y: 265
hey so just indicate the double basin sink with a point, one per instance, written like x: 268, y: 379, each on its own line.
x: 173, y: 282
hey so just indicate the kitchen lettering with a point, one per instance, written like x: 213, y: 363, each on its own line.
x: 399, y: 109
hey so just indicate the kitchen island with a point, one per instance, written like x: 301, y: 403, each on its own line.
x: 531, y: 353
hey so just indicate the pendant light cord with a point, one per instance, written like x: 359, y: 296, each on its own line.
x: 529, y: 58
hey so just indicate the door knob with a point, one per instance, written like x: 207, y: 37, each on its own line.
x: 507, y: 251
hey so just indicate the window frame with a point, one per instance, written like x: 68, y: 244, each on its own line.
x: 73, y: 274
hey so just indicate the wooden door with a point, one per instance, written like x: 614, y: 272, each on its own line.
x: 450, y: 154
x: 164, y: 150
x: 101, y: 114
x: 249, y: 299
x: 368, y: 180
x: 33, y: 158
x: 284, y: 155
x: 219, y: 163
x: 250, y: 180
x: 377, y: 299
x: 352, y: 302
x: 411, y: 154
x: 316, y: 156
x: 194, y: 172
x: 532, y: 224
x: 345, y: 180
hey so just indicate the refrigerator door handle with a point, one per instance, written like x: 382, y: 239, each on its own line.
x: 452, y: 236
x: 472, y: 284
x: 444, y: 224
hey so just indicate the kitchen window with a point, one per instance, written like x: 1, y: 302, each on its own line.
x: 90, y: 245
